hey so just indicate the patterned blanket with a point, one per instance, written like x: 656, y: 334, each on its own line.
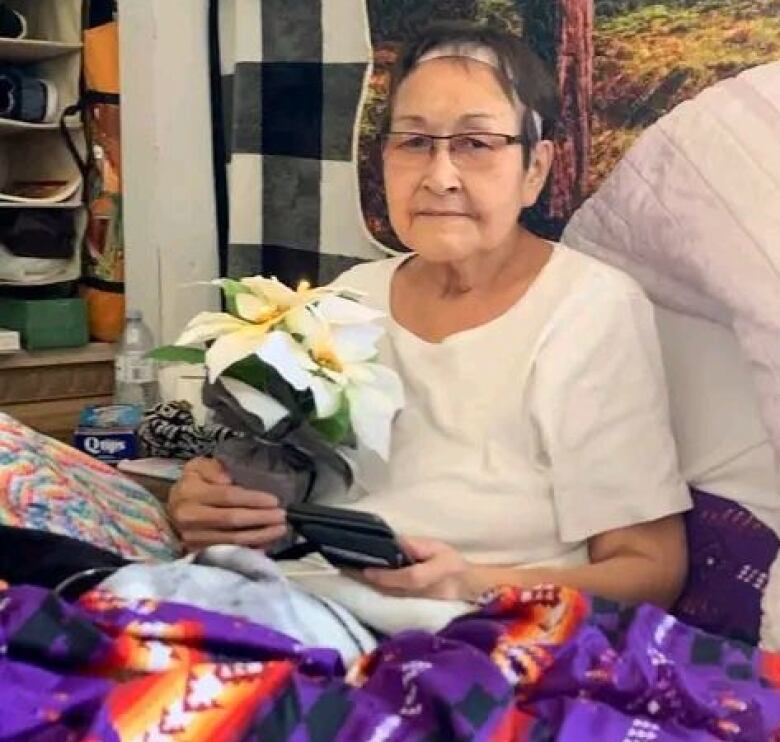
x: 46, y: 485
x: 531, y: 666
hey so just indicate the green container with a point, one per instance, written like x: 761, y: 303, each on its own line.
x: 46, y: 323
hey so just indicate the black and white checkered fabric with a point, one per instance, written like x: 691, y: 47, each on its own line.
x: 293, y: 75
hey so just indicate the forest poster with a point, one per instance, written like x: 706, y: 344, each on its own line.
x: 620, y: 64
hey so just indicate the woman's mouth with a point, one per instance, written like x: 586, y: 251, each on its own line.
x: 441, y: 213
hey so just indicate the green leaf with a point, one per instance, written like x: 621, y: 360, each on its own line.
x: 336, y: 428
x: 231, y: 289
x: 178, y: 354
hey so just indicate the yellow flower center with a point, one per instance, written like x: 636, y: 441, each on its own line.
x: 269, y: 314
x: 328, y: 359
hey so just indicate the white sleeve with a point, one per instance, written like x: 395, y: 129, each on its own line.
x: 600, y: 405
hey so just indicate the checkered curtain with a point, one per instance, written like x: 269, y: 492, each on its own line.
x: 291, y: 78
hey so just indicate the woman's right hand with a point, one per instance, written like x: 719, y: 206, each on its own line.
x: 207, y: 509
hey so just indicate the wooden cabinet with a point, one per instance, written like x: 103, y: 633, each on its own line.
x: 48, y: 389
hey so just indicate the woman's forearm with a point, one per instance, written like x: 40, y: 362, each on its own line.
x: 629, y: 578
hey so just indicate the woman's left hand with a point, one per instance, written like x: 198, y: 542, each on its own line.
x: 439, y: 572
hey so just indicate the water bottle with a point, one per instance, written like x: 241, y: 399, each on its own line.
x: 135, y: 374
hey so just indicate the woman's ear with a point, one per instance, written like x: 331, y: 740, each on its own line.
x: 540, y: 162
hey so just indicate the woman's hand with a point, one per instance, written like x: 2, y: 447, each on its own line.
x: 207, y: 509
x: 440, y: 572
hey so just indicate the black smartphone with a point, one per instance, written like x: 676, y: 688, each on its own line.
x: 348, y: 538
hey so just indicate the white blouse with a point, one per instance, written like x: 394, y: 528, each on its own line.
x: 525, y: 436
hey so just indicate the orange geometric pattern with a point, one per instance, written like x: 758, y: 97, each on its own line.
x: 207, y: 701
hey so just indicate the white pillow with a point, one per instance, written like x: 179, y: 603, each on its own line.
x: 721, y: 441
x: 693, y: 213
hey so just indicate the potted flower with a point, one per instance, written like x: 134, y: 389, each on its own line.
x: 294, y: 373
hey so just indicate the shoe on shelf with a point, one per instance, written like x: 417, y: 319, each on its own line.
x: 24, y: 97
x: 13, y: 25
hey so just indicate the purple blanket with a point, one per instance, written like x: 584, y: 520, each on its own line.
x: 532, y: 666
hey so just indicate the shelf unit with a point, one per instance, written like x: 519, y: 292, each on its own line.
x: 9, y: 128
x: 27, y: 51
x: 48, y: 389
x: 52, y: 50
x: 59, y: 205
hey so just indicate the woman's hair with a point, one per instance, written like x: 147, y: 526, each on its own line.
x: 523, y: 76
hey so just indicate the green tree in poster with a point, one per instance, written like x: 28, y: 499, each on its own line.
x: 561, y: 31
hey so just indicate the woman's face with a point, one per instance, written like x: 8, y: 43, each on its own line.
x: 451, y: 207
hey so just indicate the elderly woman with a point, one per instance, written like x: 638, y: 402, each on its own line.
x: 535, y: 444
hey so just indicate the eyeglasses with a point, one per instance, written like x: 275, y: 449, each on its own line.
x: 470, y: 150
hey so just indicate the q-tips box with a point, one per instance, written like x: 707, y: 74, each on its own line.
x: 109, y: 432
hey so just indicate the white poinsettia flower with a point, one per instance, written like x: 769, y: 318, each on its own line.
x: 234, y: 339
x: 207, y: 326
x: 340, y: 311
x: 318, y: 339
x: 263, y: 304
x: 289, y: 358
x: 274, y: 294
x: 336, y: 361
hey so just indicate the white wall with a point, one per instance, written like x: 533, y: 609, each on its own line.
x: 170, y: 222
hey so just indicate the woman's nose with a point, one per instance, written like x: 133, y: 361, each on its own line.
x: 441, y: 174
